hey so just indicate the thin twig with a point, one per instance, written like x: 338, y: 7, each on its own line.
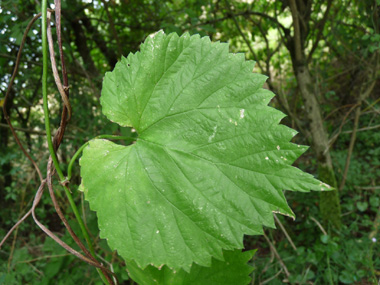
x: 243, y: 36
x: 35, y: 269
x: 335, y: 137
x: 271, y: 278
x: 319, y: 225
x: 286, y: 271
x: 320, y: 25
x: 15, y: 70
x: 15, y: 227
x: 285, y: 233
x: 44, y: 257
x: 112, y: 28
x: 60, y: 214
x: 371, y: 105
x: 337, y: 109
x: 362, y: 129
x: 12, y: 250
x: 6, y: 116
x: 367, y: 188
x: 20, y: 215
x: 354, y: 131
x: 37, y: 199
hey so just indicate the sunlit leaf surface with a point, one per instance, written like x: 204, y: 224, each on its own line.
x: 210, y: 162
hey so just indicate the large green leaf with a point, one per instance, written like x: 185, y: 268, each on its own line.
x: 233, y: 270
x: 210, y: 162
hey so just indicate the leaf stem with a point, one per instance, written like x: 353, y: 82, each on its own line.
x: 79, y: 151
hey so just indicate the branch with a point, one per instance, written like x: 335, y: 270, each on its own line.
x: 112, y: 27
x: 362, y: 129
x: 244, y: 37
x: 297, y: 31
x: 320, y: 25
x: 354, y: 131
x: 274, y: 20
x: 247, y: 13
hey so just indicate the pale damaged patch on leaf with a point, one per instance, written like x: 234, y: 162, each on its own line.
x: 210, y: 162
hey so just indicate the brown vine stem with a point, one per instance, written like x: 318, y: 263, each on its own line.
x: 57, y: 79
x: 65, y: 222
x: 59, y: 136
x: 61, y: 130
x: 15, y: 227
x: 36, y: 200
x: 22, y: 210
x: 57, y: 4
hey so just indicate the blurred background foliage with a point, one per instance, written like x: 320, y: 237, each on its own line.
x: 335, y: 43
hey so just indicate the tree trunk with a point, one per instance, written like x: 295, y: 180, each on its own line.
x: 329, y: 201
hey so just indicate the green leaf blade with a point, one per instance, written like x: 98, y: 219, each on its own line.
x: 210, y: 163
x: 232, y: 270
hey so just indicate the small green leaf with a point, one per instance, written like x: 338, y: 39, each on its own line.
x: 233, y: 270
x: 325, y: 239
x: 362, y: 206
x: 210, y: 162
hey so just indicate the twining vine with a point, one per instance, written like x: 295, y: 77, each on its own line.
x: 53, y: 164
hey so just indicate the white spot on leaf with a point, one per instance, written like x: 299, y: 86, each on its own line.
x: 242, y: 113
x: 210, y: 138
